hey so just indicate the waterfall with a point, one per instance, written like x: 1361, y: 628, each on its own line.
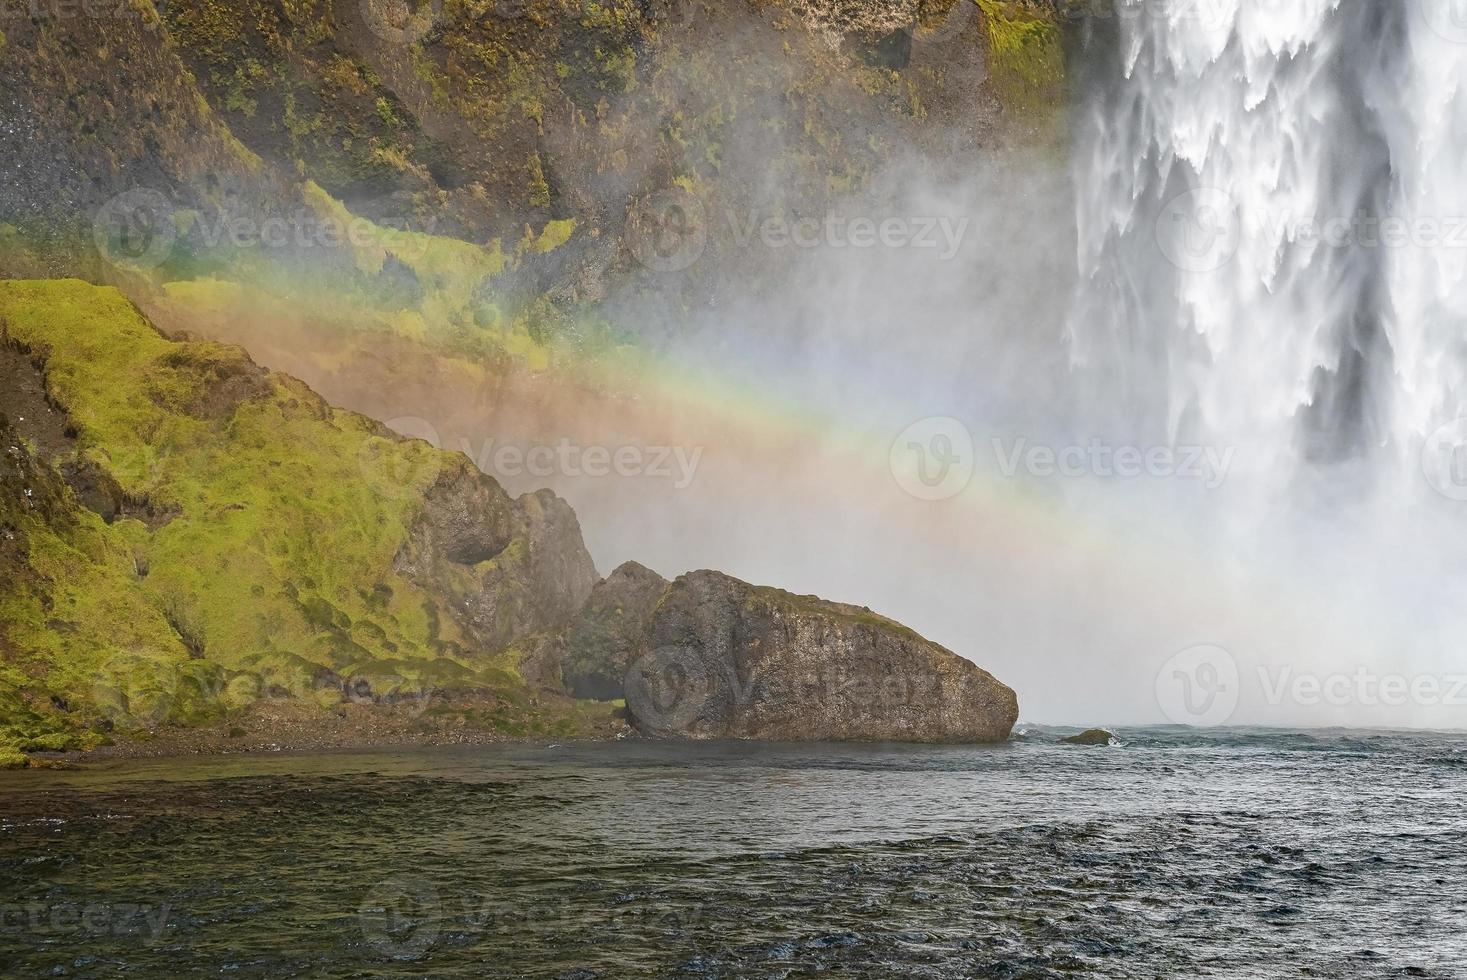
x: 1272, y: 217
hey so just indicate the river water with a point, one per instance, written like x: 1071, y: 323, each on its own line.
x: 1234, y: 853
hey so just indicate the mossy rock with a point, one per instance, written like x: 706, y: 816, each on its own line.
x: 295, y: 557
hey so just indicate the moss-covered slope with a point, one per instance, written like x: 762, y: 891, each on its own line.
x: 260, y: 544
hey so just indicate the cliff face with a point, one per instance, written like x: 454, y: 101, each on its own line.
x: 709, y: 656
x: 253, y: 542
x: 507, y: 153
x: 184, y: 536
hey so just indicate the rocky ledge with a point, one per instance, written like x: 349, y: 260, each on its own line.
x: 709, y: 656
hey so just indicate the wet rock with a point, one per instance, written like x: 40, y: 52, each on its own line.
x: 725, y: 659
x: 1093, y: 736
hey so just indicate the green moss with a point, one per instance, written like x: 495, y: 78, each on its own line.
x: 270, y: 553
x: 539, y: 186
x: 555, y: 234
x: 1027, y: 60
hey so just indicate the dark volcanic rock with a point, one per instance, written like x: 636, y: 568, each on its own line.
x: 607, y: 638
x: 1094, y: 736
x: 724, y: 659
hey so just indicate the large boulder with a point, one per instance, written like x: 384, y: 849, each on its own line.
x: 725, y: 659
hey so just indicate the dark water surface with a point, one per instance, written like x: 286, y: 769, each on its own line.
x: 1228, y: 854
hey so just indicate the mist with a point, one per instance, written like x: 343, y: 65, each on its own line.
x: 980, y: 397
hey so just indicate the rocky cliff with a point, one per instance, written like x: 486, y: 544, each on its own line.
x: 185, y: 537
x: 184, y: 534
x: 507, y: 155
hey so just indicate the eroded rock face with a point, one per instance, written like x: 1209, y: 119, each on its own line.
x: 871, y: 18
x: 608, y: 637
x: 725, y: 659
x: 518, y: 568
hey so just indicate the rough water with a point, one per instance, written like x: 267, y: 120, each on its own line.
x: 1232, y: 853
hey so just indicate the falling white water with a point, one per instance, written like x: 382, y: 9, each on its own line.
x: 1426, y: 321
x: 1272, y: 245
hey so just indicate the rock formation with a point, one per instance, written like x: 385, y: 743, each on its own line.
x: 713, y: 657
x: 607, y: 638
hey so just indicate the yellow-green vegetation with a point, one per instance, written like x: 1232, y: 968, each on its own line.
x: 433, y: 290
x: 253, y: 556
x: 1027, y: 60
